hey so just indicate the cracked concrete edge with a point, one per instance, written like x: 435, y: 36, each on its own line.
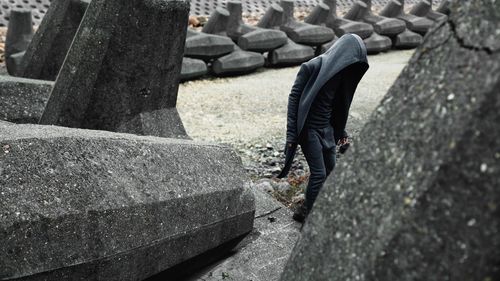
x: 473, y: 30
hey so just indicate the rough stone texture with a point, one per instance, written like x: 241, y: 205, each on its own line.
x: 395, y: 9
x: 94, y: 205
x: 265, y: 250
x: 238, y: 62
x: 45, y: 55
x: 417, y: 198
x: 301, y: 32
x: 205, y: 46
x: 340, y: 25
x: 424, y: 9
x: 192, y: 69
x: 290, y: 54
x: 23, y: 100
x: 249, y: 37
x: 19, y: 35
x: 124, y: 64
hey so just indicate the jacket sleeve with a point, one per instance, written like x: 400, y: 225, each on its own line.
x: 293, y: 103
x: 342, y: 102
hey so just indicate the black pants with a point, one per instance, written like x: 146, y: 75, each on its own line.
x: 318, y: 146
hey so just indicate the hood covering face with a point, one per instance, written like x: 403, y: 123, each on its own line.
x: 347, y: 50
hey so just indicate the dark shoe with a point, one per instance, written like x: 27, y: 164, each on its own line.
x: 300, y: 213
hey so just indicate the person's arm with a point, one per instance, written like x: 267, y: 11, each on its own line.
x: 293, y: 104
x: 342, y: 103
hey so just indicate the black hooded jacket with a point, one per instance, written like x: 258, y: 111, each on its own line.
x: 313, y: 75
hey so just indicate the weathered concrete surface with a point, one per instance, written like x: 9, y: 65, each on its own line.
x: 23, y: 100
x: 124, y: 62
x: 417, y: 199
x: 266, y: 249
x: 94, y: 205
x: 46, y: 52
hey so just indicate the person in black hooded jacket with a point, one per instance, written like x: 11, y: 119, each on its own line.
x: 318, y: 108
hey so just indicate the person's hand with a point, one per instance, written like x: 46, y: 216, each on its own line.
x: 343, y: 145
x: 289, y: 145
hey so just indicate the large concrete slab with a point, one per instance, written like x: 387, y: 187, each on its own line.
x: 23, y: 100
x: 123, y: 69
x: 417, y: 198
x: 94, y: 205
x: 50, y: 44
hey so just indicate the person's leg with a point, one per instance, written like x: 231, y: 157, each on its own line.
x: 330, y: 159
x: 313, y: 152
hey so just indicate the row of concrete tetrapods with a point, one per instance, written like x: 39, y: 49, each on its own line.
x: 228, y: 46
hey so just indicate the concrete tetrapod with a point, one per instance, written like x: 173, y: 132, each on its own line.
x: 238, y: 62
x: 94, y: 205
x: 122, y: 76
x: 424, y: 9
x: 392, y: 27
x: 19, y: 35
x: 249, y: 37
x: 204, y: 46
x: 46, y: 52
x: 362, y: 11
x: 300, y: 32
x: 340, y: 25
x: 217, y: 22
x: 192, y: 69
x: 423, y: 203
x: 290, y: 54
x: 395, y: 9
